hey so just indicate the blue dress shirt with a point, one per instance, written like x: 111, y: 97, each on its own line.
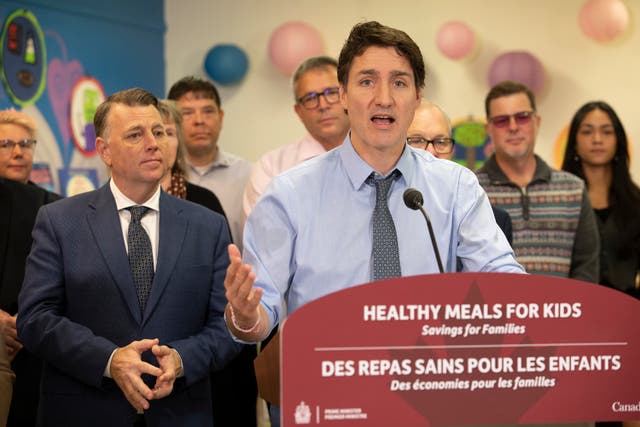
x: 311, y: 232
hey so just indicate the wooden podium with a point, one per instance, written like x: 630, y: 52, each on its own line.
x: 267, y: 367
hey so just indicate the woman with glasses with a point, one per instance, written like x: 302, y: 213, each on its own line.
x: 17, y: 146
x: 17, y: 143
x: 597, y: 151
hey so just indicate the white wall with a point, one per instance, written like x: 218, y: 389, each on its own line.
x: 259, y: 112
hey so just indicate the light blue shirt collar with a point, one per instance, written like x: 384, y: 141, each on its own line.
x: 358, y: 170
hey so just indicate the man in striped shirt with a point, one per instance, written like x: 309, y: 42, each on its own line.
x: 554, y: 228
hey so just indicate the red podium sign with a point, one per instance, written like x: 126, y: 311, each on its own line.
x: 461, y: 349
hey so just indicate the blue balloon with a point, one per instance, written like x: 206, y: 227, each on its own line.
x: 226, y: 64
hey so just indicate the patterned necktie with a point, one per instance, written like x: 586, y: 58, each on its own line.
x: 140, y: 255
x: 385, y: 254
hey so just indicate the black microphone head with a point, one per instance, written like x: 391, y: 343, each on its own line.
x: 413, y: 198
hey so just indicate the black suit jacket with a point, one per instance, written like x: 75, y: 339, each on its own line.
x: 19, y: 205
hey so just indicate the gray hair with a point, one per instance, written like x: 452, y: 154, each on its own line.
x: 313, y: 63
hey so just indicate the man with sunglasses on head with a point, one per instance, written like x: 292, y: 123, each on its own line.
x: 317, y: 104
x: 431, y: 130
x: 554, y: 228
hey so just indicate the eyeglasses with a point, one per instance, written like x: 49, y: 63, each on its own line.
x: 7, y: 145
x: 312, y: 100
x: 442, y: 145
x: 522, y: 118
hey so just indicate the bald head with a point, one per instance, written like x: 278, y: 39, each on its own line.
x: 429, y: 122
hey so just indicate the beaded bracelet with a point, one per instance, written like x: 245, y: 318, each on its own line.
x: 251, y: 330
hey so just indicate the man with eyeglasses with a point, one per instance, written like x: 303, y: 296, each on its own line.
x: 431, y: 130
x: 555, y: 231
x: 317, y: 104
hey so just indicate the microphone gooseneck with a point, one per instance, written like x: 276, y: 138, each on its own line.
x: 414, y: 200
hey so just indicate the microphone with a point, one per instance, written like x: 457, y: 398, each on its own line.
x: 414, y: 200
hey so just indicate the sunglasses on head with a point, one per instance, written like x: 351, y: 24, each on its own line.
x: 521, y: 118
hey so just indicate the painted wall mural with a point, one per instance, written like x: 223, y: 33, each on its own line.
x: 59, y: 63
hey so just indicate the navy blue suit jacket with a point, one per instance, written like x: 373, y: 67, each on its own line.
x: 78, y: 303
x: 504, y: 222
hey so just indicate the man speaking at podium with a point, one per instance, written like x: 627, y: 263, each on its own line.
x: 339, y: 219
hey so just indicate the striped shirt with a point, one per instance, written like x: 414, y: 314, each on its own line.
x: 554, y: 229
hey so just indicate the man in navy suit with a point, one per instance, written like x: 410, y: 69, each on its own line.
x: 115, y: 355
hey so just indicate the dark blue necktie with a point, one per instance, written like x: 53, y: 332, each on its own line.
x: 385, y: 254
x: 140, y: 255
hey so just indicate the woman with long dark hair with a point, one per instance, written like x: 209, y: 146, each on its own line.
x: 597, y: 151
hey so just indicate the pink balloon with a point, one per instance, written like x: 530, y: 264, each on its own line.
x: 603, y: 20
x: 293, y: 42
x: 519, y: 66
x: 455, y: 40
